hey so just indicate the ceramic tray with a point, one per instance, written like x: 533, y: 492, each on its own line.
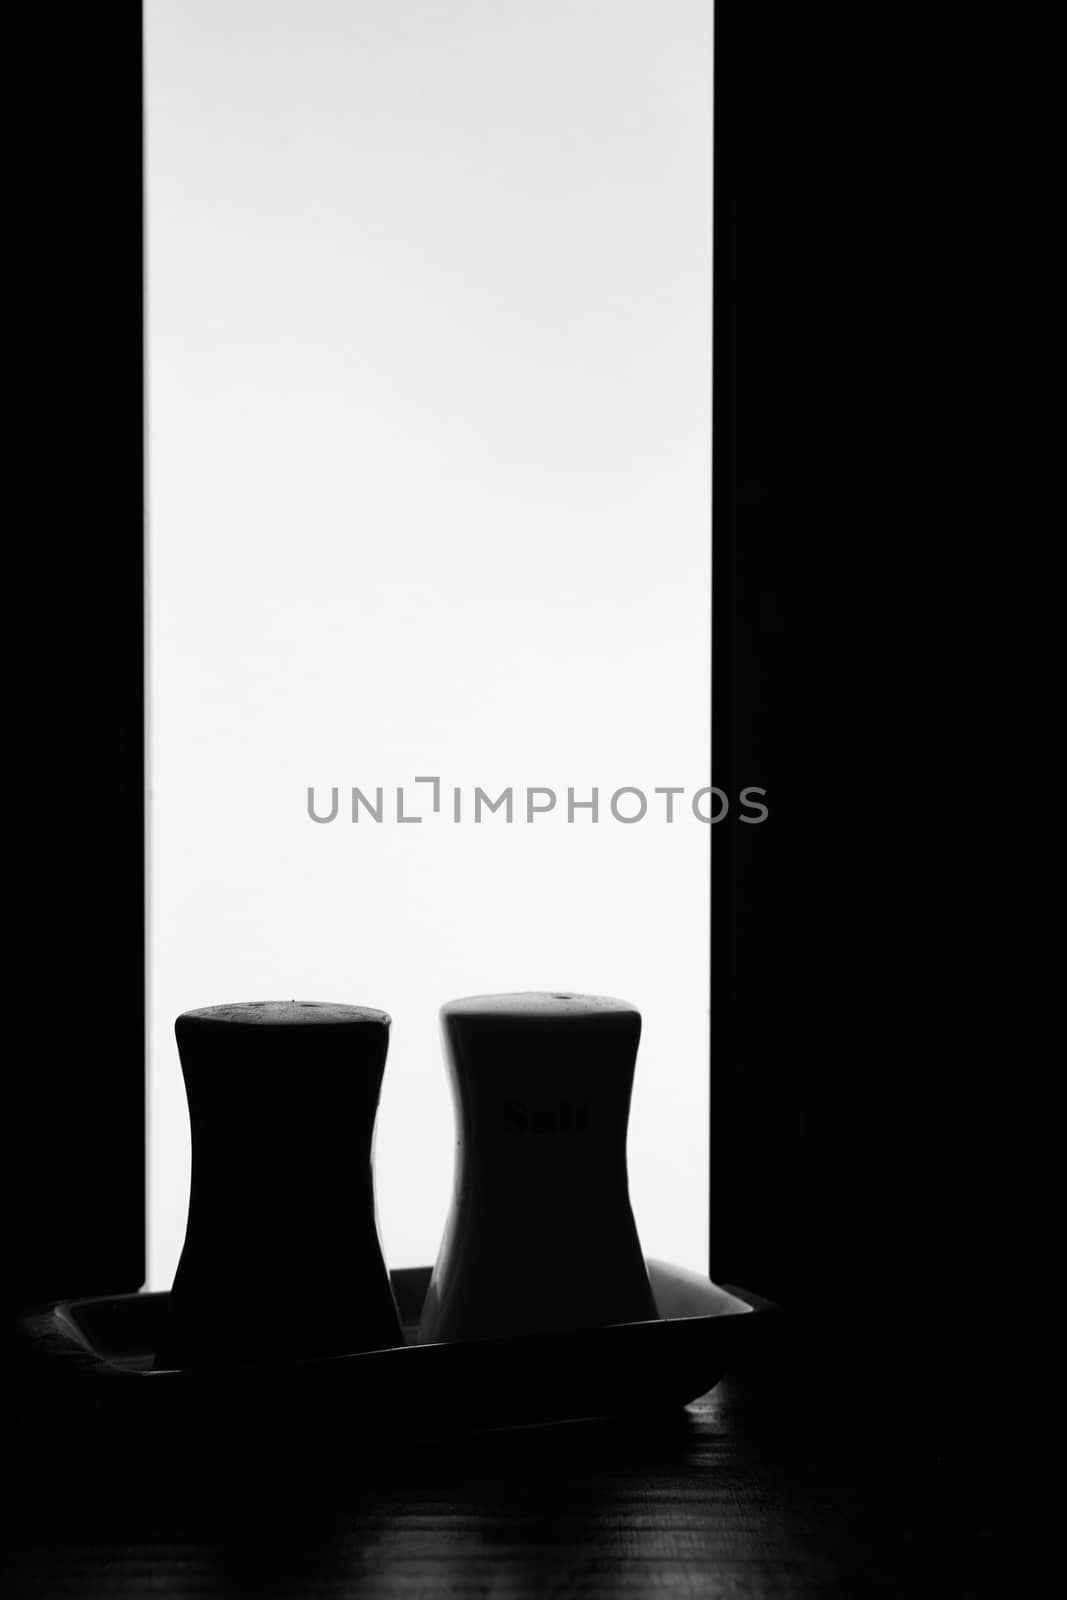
x: 107, y: 1345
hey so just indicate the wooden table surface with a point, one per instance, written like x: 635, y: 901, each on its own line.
x: 782, y: 1482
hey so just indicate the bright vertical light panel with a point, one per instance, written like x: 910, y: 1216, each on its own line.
x: 429, y: 358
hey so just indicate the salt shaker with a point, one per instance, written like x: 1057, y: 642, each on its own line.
x: 282, y: 1258
x: 540, y: 1235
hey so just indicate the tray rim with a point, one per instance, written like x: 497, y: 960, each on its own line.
x: 53, y: 1331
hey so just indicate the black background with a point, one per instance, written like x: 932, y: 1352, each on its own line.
x: 73, y: 1064
x: 887, y: 976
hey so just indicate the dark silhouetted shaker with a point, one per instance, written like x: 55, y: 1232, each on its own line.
x: 282, y: 1258
x: 540, y: 1234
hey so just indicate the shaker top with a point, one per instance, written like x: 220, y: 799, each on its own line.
x: 534, y: 1005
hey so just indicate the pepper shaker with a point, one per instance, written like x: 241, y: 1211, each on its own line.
x: 282, y: 1258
